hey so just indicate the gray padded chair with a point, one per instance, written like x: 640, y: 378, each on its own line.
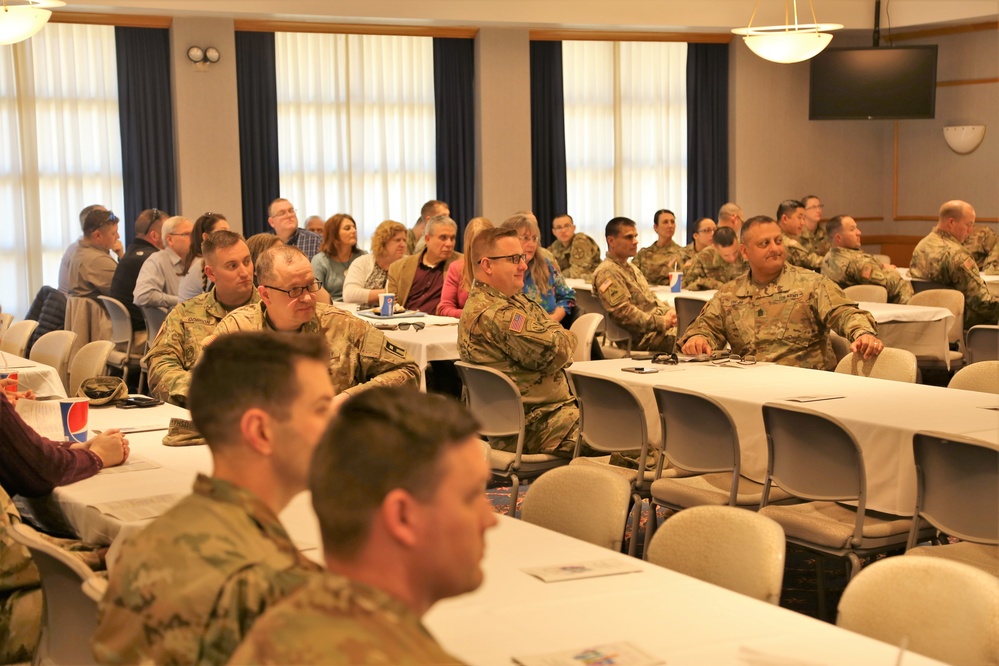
x: 6, y: 319
x: 983, y: 343
x: 154, y: 318
x: 53, y: 350
x: 586, y: 327
x: 582, y: 502
x: 953, y: 300
x: 920, y: 285
x: 494, y: 401
x: 871, y: 293
x: 90, y: 361
x: 739, y: 550
x: 15, y: 339
x: 121, y: 335
x: 687, y: 310
x: 982, y: 377
x: 895, y: 364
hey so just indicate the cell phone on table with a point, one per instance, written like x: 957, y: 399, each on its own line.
x: 139, y: 401
x: 642, y: 371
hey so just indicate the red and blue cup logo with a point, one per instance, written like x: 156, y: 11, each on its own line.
x: 74, y: 420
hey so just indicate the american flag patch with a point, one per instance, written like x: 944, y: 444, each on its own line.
x: 518, y: 322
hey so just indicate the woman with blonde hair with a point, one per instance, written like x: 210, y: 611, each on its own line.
x: 461, y: 274
x: 543, y: 282
x: 366, y: 277
x: 336, y: 254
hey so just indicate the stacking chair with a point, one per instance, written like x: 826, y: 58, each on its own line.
x: 687, y: 310
x: 6, y: 319
x: 154, y: 317
x: 15, y: 339
x: 943, y: 610
x: 895, y: 364
x: 70, y: 613
x: 582, y: 502
x: 121, y: 335
x: 739, y: 550
x: 617, y: 341
x: 957, y: 491
x: 953, y: 300
x: 815, y: 458
x: 494, y: 401
x: 585, y: 327
x: 588, y: 302
x: 840, y: 345
x: 53, y: 349
x: 920, y: 285
x: 90, y: 361
x: 872, y: 293
x: 983, y: 343
x: 983, y: 377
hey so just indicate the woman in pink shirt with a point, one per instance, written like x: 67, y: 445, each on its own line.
x: 458, y: 281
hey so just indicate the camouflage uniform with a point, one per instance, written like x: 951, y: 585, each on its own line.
x: 815, y: 242
x: 709, y: 271
x: 188, y: 587
x: 178, y: 345
x: 847, y: 266
x: 657, y: 262
x: 628, y: 301
x: 941, y: 258
x: 798, y: 256
x: 980, y: 243
x: 578, y: 259
x: 514, y: 335
x: 786, y: 322
x: 991, y: 264
x: 360, y: 355
x: 334, y: 620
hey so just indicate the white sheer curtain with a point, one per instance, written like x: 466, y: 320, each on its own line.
x: 61, y: 149
x: 625, y: 133
x: 356, y: 127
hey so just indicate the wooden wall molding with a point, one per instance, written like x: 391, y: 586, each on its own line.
x: 118, y: 20
x: 624, y: 36
x: 966, y: 82
x: 355, y: 29
x: 946, y: 30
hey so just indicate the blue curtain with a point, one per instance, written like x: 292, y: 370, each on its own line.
x: 454, y: 78
x: 547, y: 136
x: 707, y: 131
x: 256, y: 93
x: 145, y: 113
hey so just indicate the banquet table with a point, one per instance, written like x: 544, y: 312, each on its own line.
x: 38, y: 377
x: 991, y: 281
x: 671, y: 616
x: 883, y: 415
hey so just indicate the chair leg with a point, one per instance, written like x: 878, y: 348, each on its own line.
x: 514, y: 492
x: 636, y: 522
x: 651, y: 525
x: 854, y: 566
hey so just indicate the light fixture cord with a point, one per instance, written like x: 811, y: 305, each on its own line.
x: 815, y: 21
x: 750, y: 18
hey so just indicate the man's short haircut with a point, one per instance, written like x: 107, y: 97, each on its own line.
x: 271, y: 205
x: 385, y: 232
x: 172, y: 223
x: 754, y: 221
x: 613, y: 228
x: 279, y: 255
x: 787, y: 207
x: 485, y: 242
x: 248, y: 369
x: 571, y: 221
x: 430, y: 207
x: 952, y: 209
x: 655, y: 217
x: 96, y: 219
x: 724, y: 237
x: 382, y: 439
x: 86, y: 211
x: 728, y: 211
x: 835, y: 225
x: 219, y: 240
x: 147, y: 220
x: 439, y: 221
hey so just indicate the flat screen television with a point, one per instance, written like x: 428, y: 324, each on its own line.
x: 873, y: 83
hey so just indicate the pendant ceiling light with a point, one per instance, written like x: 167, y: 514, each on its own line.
x: 20, y: 19
x: 792, y: 42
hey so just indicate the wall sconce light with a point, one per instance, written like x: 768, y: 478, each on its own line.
x: 963, y: 139
x: 203, y: 57
x: 20, y: 19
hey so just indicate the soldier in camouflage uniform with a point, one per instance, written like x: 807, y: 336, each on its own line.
x: 715, y: 265
x: 815, y: 237
x: 846, y: 264
x: 503, y: 329
x: 189, y: 586
x: 791, y: 217
x: 704, y: 233
x: 178, y: 345
x: 577, y: 254
x: 382, y: 577
x: 940, y: 257
x: 360, y: 355
x: 778, y: 312
x: 625, y: 294
x: 980, y: 243
x: 658, y: 260
x: 991, y: 264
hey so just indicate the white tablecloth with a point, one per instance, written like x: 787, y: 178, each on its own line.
x: 40, y: 378
x: 991, y: 281
x: 882, y: 415
x: 674, y: 617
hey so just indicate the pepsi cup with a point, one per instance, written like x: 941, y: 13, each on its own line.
x: 387, y: 304
x: 10, y: 375
x: 75, y: 413
x: 675, y: 281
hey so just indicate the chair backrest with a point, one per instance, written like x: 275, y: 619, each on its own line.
x: 687, y: 310
x: 951, y: 299
x: 588, y: 302
x: 581, y: 501
x: 121, y: 323
x: 53, y: 349
x: 882, y: 258
x: 920, y: 285
x: 70, y: 614
x: 982, y: 377
x: 613, y: 333
x: 957, y: 487
x: 896, y: 364
x: 585, y: 327
x: 699, y: 434
x: 154, y: 321
x: 736, y: 549
x: 941, y: 609
x: 15, y: 340
x: 494, y: 401
x: 840, y: 345
x: 872, y: 293
x: 90, y: 361
x: 6, y: 319
x: 983, y: 343
x: 611, y: 415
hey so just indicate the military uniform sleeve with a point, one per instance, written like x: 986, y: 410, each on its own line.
x: 991, y: 264
x: 697, y: 278
x: 168, y: 360
x: 840, y: 314
x: 710, y: 324
x: 616, y: 300
x: 529, y: 339
x: 384, y: 363
x: 799, y: 256
x: 583, y: 256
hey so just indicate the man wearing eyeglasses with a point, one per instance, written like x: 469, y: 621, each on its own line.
x: 577, y: 254
x: 283, y: 218
x: 791, y: 218
x: 148, y: 240
x: 91, y: 268
x: 360, y: 355
x: 503, y: 329
x: 625, y: 295
x: 159, y: 278
x: 814, y: 235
